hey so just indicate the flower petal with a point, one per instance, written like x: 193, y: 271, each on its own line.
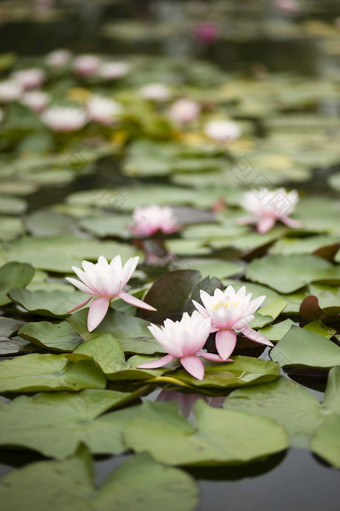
x: 80, y: 285
x: 291, y: 222
x: 265, y: 224
x: 79, y: 306
x: 194, y: 366
x: 97, y: 312
x: 213, y: 357
x: 225, y: 343
x: 160, y: 362
x: 132, y: 300
x: 255, y: 336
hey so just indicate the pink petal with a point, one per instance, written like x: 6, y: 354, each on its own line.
x: 79, y: 306
x: 255, y: 336
x: 80, y: 285
x: 295, y: 224
x: 265, y: 224
x: 194, y: 366
x: 156, y: 363
x: 98, y: 309
x: 201, y: 309
x: 132, y: 300
x: 213, y: 357
x: 225, y: 343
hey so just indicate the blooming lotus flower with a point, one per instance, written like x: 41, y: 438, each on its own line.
x: 64, y: 119
x: 184, y: 111
x: 183, y: 340
x: 268, y: 206
x: 36, y: 100
x: 29, y: 78
x: 155, y: 92
x: 151, y: 219
x: 230, y: 311
x: 105, y: 281
x: 103, y: 110
x: 10, y: 90
x: 113, y: 70
x: 86, y: 65
x: 222, y: 131
x: 58, y: 58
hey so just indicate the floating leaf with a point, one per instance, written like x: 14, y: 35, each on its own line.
x: 222, y: 436
x: 299, y: 347
x: 140, y: 483
x: 35, y: 372
x: 53, y: 336
x: 14, y: 275
x: 47, y: 303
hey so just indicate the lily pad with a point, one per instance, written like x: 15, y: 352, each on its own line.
x: 35, y: 372
x: 53, y: 336
x: 46, y: 303
x: 14, y: 275
x: 222, y: 437
x: 56, y: 423
x: 287, y: 273
x: 299, y: 347
x: 140, y: 483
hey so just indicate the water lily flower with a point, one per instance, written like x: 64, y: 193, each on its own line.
x: 58, y: 58
x: 64, y: 119
x: 183, y: 340
x: 289, y: 6
x: 105, y: 281
x: 184, y: 111
x: 29, y: 78
x: 206, y: 32
x: 86, y: 65
x: 230, y: 311
x: 155, y: 92
x: 113, y: 70
x: 222, y: 131
x: 36, y: 100
x: 10, y: 90
x: 103, y: 110
x: 268, y: 206
x: 151, y: 219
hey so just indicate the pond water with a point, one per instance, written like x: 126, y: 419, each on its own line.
x: 270, y: 68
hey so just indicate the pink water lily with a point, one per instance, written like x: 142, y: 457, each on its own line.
x: 105, y: 281
x: 148, y: 220
x: 268, y: 206
x: 183, y: 340
x: 229, y: 311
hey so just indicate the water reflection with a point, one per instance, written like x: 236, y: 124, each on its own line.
x: 186, y: 402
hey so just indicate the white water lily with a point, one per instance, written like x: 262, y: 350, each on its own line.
x: 222, y: 131
x: 29, y: 78
x: 113, y: 70
x: 86, y: 65
x: 104, y: 281
x: 103, y: 110
x: 10, y: 90
x: 184, y: 111
x: 155, y: 92
x: 267, y: 206
x: 36, y: 100
x: 58, y: 58
x: 154, y: 218
x: 64, y: 119
x: 230, y: 311
x: 183, y: 340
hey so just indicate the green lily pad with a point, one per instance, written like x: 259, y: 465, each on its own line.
x: 9, y: 326
x: 222, y: 437
x: 10, y: 227
x: 140, y: 483
x: 108, y: 225
x: 172, y: 294
x: 35, y: 372
x: 12, y: 205
x: 287, y: 273
x: 56, y: 423
x: 300, y: 347
x: 59, y: 253
x: 131, y: 332
x: 53, y: 336
x: 48, y: 223
x: 14, y: 275
x: 47, y: 303
x: 326, y: 443
x: 290, y: 404
x: 276, y: 332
